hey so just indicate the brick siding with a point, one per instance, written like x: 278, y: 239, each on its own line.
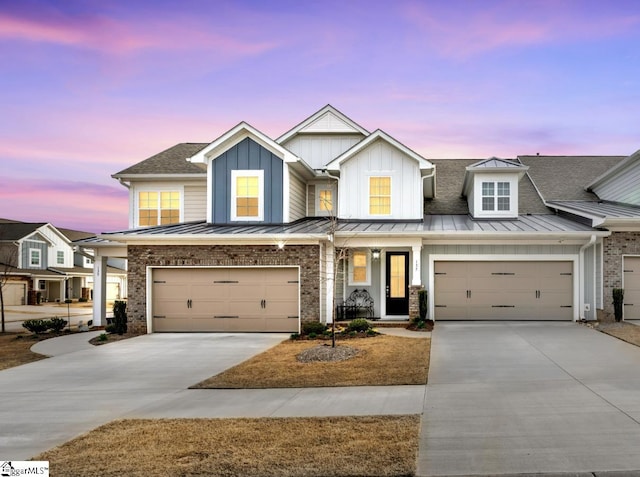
x: 615, y: 246
x: 142, y: 256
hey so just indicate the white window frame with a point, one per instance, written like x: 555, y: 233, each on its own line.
x: 321, y: 212
x: 496, y: 196
x: 495, y: 179
x: 159, y: 190
x: 60, y: 257
x: 235, y: 174
x: 367, y: 281
x: 381, y: 176
x: 39, y: 254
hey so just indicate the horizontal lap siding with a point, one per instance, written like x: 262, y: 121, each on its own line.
x: 195, y: 202
x: 297, y: 198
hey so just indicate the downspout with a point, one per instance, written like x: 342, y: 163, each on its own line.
x: 581, y: 277
x: 122, y: 182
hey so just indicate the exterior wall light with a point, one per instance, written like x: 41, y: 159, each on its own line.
x: 375, y: 253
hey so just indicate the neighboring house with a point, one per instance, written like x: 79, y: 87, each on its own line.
x: 241, y: 234
x: 41, y: 263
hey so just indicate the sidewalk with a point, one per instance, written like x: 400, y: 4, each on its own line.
x: 65, y: 344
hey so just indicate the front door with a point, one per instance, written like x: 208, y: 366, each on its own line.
x: 397, y: 283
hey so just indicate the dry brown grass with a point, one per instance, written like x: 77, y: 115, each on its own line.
x: 382, y: 361
x: 287, y: 447
x: 624, y: 331
x: 15, y: 349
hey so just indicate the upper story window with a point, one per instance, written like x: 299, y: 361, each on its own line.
x: 247, y: 195
x: 60, y: 257
x: 380, y: 195
x: 34, y: 257
x: 324, y: 201
x: 496, y: 196
x: 158, y: 208
x: 359, y: 268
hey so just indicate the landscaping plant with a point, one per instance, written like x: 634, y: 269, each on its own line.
x: 36, y: 326
x: 423, y: 303
x: 359, y: 324
x: 618, y: 303
x: 120, y: 317
x: 56, y: 324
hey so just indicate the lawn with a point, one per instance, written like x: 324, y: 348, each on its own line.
x: 345, y: 446
x: 624, y: 331
x: 15, y: 349
x: 381, y: 361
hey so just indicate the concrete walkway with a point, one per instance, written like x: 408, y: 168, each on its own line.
x: 524, y: 398
x: 404, y: 333
x: 65, y: 344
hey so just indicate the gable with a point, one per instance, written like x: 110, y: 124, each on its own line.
x: 327, y: 120
x: 620, y: 183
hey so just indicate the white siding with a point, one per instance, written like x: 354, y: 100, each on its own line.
x: 380, y: 159
x: 195, y: 202
x: 328, y: 122
x: 622, y: 187
x: 318, y: 150
x: 59, y: 245
x: 311, y: 200
x: 297, y: 197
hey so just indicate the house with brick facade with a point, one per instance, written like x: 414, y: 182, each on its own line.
x: 253, y: 233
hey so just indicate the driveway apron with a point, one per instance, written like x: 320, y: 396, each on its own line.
x: 512, y: 398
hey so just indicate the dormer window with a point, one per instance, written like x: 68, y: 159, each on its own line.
x: 496, y: 196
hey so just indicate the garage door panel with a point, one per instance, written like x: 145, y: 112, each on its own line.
x: 226, y: 299
x: 631, y: 277
x: 518, y: 290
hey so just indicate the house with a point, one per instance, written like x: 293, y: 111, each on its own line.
x: 253, y: 233
x: 41, y: 264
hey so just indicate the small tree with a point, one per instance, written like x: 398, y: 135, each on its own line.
x: 120, y: 317
x: 618, y: 303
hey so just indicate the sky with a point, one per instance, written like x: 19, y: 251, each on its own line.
x: 90, y: 87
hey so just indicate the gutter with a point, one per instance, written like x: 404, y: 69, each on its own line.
x: 581, y: 277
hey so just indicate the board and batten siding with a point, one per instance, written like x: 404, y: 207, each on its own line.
x: 623, y: 186
x: 195, y: 202
x: 380, y: 159
x: 35, y: 242
x: 247, y: 155
x: 297, y: 197
x: 318, y: 150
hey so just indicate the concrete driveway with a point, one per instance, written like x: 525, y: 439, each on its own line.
x: 516, y: 398
x: 49, y: 402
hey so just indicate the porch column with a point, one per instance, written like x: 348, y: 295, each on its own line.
x: 330, y: 283
x: 99, y: 288
x: 416, y: 269
x: 63, y: 290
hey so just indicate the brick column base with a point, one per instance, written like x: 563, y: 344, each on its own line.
x: 414, y: 304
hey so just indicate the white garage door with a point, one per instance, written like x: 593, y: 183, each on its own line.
x: 503, y: 291
x: 225, y: 299
x: 14, y: 294
x: 632, y: 288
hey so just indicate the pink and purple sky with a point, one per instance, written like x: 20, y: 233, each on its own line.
x: 88, y: 88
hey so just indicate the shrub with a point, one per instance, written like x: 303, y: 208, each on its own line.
x: 359, y: 324
x: 295, y: 336
x: 312, y: 335
x: 371, y: 332
x: 36, y: 326
x: 82, y: 300
x: 313, y: 327
x: 56, y: 324
x: 110, y: 328
x: 618, y: 303
x: 423, y: 303
x: 120, y: 317
x: 103, y: 337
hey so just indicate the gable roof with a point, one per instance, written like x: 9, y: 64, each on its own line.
x: 74, y: 235
x: 326, y: 120
x: 497, y: 164
x: 12, y: 231
x: 170, y: 161
x: 378, y: 134
x: 566, y: 177
x: 614, y: 170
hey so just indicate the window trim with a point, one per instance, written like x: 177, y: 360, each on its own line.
x: 59, y: 257
x: 367, y: 281
x: 475, y: 202
x: 235, y: 174
x: 390, y: 195
x: 319, y: 211
x: 496, y: 196
x: 159, y: 190
x: 39, y: 253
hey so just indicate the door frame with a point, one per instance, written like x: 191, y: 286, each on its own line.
x: 574, y: 259
x: 383, y: 281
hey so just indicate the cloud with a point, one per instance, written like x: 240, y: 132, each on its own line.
x: 488, y: 26
x: 118, y: 36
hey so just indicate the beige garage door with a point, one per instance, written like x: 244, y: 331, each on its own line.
x: 225, y: 299
x: 631, y: 288
x: 503, y: 291
x: 14, y: 294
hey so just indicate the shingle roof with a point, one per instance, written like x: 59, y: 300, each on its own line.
x: 169, y: 161
x: 17, y: 230
x: 73, y: 235
x: 565, y: 177
x: 449, y: 178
